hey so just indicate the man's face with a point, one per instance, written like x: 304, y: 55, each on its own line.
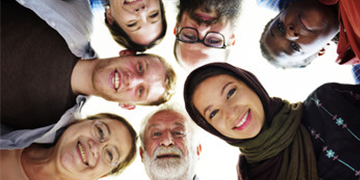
x: 300, y: 31
x: 130, y: 79
x: 167, y: 151
x: 196, y: 54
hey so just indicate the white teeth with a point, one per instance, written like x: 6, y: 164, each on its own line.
x: 129, y: 1
x: 82, y: 154
x: 116, y: 80
x: 243, y: 120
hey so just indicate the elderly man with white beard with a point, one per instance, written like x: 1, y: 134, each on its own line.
x: 169, y: 147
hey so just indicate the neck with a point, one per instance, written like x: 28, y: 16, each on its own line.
x: 81, y: 77
x: 36, y: 163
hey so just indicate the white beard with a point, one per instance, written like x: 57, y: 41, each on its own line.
x: 182, y: 168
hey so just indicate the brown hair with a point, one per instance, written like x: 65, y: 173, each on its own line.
x: 169, y: 83
x: 131, y: 156
x: 120, y: 36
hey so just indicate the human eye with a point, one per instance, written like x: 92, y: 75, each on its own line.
x: 230, y: 93
x: 100, y: 131
x: 140, y: 68
x: 295, y: 47
x: 213, y: 113
x: 111, y: 155
x: 131, y: 24
x: 280, y: 26
x: 189, y: 37
x: 156, y: 134
x: 140, y: 92
x: 178, y: 133
x: 154, y: 15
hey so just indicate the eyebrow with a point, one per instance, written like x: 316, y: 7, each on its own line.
x: 107, y: 127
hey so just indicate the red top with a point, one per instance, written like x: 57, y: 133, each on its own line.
x: 349, y: 41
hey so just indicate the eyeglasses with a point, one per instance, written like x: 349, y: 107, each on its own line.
x: 211, y: 39
x: 101, y: 132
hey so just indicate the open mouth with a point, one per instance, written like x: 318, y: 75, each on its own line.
x: 81, y: 150
x: 243, y: 122
x: 115, y: 80
x: 164, y: 156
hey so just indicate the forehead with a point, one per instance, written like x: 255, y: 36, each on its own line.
x: 223, y: 26
x: 166, y: 119
x: 119, y: 137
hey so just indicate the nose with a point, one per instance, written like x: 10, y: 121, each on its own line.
x: 230, y: 113
x: 95, y: 148
x: 132, y: 79
x: 292, y: 33
x: 140, y: 7
x: 167, y: 139
x: 203, y: 29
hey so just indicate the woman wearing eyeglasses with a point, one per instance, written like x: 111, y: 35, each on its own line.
x: 91, y: 148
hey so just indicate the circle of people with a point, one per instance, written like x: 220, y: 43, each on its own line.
x: 49, y: 68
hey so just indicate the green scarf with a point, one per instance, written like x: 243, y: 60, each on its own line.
x: 284, y: 133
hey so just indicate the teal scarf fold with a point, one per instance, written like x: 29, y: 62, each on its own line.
x: 284, y: 133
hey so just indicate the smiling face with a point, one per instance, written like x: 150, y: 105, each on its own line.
x: 130, y: 79
x: 79, y: 153
x: 140, y: 19
x: 168, y: 152
x: 300, y: 31
x: 196, y: 54
x: 233, y: 109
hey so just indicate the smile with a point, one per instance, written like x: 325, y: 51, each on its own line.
x: 115, y: 80
x: 243, y: 122
x: 82, y: 153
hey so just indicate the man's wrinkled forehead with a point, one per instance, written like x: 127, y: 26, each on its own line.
x: 166, y: 118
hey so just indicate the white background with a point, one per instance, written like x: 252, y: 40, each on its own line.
x: 218, y: 159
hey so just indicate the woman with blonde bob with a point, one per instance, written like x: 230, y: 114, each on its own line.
x: 314, y: 139
x: 90, y: 148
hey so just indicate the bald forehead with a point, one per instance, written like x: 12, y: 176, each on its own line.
x: 167, y: 117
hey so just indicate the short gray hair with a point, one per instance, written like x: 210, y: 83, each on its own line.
x: 192, y: 129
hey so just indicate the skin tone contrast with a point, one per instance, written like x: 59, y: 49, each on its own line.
x: 300, y: 31
x: 234, y: 109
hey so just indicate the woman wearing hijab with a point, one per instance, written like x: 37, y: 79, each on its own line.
x: 278, y: 139
x: 91, y: 148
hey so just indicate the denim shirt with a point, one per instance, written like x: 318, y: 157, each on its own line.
x: 23, y: 138
x: 73, y: 20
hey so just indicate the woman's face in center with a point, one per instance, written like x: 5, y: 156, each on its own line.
x: 140, y: 19
x: 230, y: 106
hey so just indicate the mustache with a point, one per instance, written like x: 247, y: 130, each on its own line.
x: 172, y: 151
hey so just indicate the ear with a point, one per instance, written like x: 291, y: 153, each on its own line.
x: 141, y: 153
x: 321, y: 52
x: 127, y: 106
x: 127, y: 52
x: 232, y: 39
x: 109, y: 18
x: 103, y: 176
x: 175, y: 31
x: 198, y: 149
